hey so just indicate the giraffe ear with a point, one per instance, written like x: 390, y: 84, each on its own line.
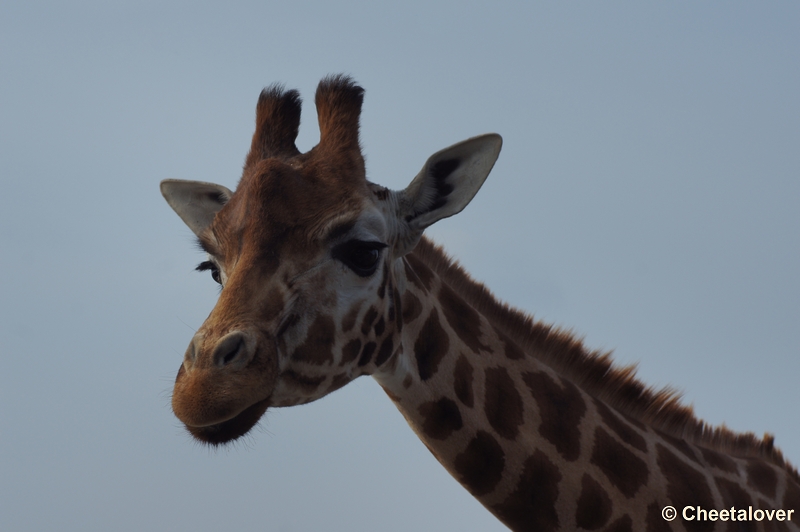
x: 195, y: 202
x: 448, y: 181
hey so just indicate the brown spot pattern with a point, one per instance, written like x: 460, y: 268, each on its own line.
x: 411, y: 307
x: 685, y: 486
x: 733, y: 494
x: 502, y: 403
x: 594, y: 505
x: 683, y: 446
x: 623, y: 524
x: 561, y: 410
x: 442, y: 418
x: 463, y: 319
x: 308, y: 384
x: 396, y: 310
x: 418, y: 273
x: 380, y: 326
x: 462, y: 381
x: 287, y: 324
x: 718, y: 460
x: 792, y: 497
x: 350, y: 350
x: 390, y: 314
x: 317, y: 348
x: 480, y: 466
x: 369, y: 318
x: 512, y: 350
x: 431, y: 347
x: 625, y: 470
x: 349, y: 320
x: 655, y: 520
x: 531, y: 506
x: 338, y: 381
x: 762, y: 477
x: 366, y: 354
x: 624, y: 431
x: 382, y: 287
x: 387, y: 346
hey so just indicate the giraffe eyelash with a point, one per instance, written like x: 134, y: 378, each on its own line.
x: 206, y: 265
x: 215, y: 273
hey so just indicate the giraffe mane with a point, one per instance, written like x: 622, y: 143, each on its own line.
x: 595, y: 372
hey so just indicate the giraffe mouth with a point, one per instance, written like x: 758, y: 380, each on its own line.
x: 231, y: 429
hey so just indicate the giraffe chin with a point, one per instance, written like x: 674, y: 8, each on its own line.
x: 231, y: 429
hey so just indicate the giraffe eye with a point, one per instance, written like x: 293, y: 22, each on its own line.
x: 208, y: 265
x: 360, y: 256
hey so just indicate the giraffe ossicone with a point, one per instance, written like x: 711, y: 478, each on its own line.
x: 326, y: 277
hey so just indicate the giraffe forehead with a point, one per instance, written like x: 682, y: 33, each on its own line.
x: 278, y: 205
x: 287, y: 194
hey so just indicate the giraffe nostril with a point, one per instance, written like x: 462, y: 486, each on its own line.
x: 230, y: 356
x: 190, y: 357
x: 232, y: 350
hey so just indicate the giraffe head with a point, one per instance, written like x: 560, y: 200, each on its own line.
x: 305, y: 251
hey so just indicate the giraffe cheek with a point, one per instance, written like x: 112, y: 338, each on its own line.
x: 316, y: 349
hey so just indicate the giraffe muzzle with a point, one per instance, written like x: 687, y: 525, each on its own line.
x: 223, y: 386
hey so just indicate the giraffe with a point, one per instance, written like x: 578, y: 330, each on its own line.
x: 326, y: 277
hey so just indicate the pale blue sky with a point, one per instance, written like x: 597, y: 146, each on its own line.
x: 646, y: 197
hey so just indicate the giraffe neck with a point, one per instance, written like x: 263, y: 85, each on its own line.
x: 533, y: 445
